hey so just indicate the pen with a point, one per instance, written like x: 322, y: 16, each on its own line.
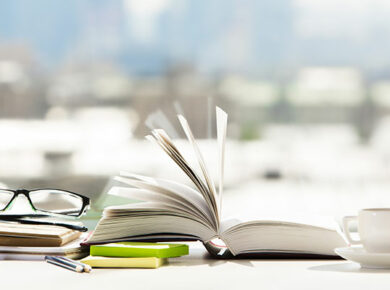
x: 33, y: 219
x: 60, y: 224
x: 64, y: 264
x: 87, y: 268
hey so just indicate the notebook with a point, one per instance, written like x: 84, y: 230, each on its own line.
x: 104, y: 262
x: 73, y: 250
x: 128, y: 249
x: 16, y: 234
x: 175, y: 211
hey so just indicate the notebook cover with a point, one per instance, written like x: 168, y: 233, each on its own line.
x: 27, y: 230
x: 30, y: 242
x: 134, y: 249
x: 36, y: 235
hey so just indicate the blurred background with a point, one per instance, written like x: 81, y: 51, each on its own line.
x: 306, y: 85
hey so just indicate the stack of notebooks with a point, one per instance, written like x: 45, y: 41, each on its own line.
x: 133, y: 255
x: 26, y: 240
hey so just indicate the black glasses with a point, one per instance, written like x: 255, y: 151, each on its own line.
x: 53, y: 201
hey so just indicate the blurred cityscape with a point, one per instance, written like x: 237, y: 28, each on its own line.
x: 307, y: 93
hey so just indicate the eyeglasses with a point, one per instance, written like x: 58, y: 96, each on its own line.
x: 53, y: 201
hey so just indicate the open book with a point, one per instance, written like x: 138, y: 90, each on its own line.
x: 175, y: 211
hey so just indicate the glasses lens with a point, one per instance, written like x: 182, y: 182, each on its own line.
x: 57, y: 201
x: 5, y: 198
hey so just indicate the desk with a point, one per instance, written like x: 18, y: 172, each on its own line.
x: 197, y: 272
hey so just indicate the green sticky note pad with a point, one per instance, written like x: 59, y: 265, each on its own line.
x: 135, y: 249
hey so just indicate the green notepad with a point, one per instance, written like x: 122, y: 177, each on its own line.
x: 130, y: 249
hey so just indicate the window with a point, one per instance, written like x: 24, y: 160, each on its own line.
x: 306, y: 85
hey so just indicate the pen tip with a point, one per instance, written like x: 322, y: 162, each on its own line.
x: 79, y: 268
x: 88, y: 269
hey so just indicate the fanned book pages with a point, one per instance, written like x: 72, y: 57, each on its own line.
x: 174, y: 211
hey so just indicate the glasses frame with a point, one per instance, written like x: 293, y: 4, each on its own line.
x: 85, y: 206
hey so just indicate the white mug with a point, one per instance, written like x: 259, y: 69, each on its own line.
x: 373, y: 227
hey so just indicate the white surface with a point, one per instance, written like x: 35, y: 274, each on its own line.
x: 196, y: 272
x: 365, y: 259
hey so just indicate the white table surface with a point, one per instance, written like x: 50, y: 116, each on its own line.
x: 196, y: 271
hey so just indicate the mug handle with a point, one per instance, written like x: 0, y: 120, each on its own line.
x: 346, y: 222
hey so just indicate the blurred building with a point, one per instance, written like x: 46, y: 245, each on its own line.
x: 21, y: 83
x: 307, y: 93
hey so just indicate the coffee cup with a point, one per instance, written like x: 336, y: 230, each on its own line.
x: 373, y: 227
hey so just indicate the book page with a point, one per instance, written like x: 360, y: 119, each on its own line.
x: 138, y: 210
x: 199, y: 156
x: 221, y: 136
x: 178, y: 191
x: 281, y: 236
x: 163, y: 140
x: 326, y: 222
x: 175, y: 155
x: 166, y: 141
x: 148, y: 218
x: 157, y: 196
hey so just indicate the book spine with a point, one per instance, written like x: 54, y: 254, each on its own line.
x: 218, y: 251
